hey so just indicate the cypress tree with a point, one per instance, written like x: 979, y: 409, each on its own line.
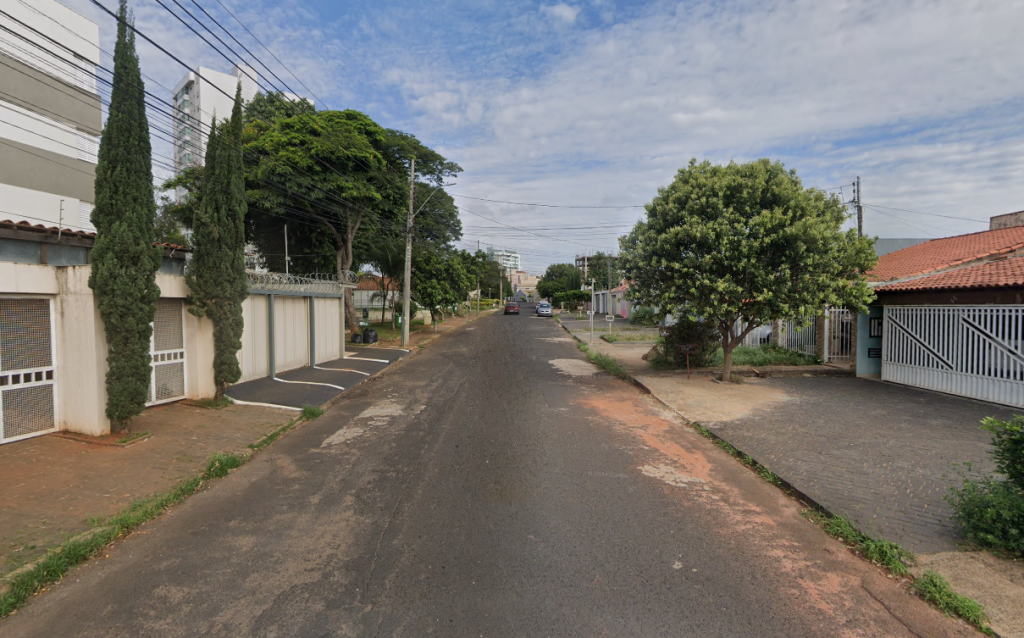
x: 124, y: 258
x: 216, y: 275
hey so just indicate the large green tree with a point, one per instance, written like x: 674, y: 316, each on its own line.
x: 442, y: 278
x: 559, y: 278
x: 124, y: 258
x: 604, y: 270
x: 743, y: 245
x: 216, y: 275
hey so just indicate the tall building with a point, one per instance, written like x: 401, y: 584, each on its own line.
x: 199, y: 97
x: 50, y: 118
x: 509, y: 259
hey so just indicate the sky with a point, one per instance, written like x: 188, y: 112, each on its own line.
x: 596, y: 104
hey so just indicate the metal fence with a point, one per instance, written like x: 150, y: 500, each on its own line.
x: 802, y: 339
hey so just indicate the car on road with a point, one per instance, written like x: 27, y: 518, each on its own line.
x: 511, y: 308
x: 543, y: 309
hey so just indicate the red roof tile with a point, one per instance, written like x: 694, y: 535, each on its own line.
x: 1000, y: 273
x: 947, y: 252
x: 68, y: 232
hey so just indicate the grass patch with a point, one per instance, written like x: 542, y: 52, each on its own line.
x: 220, y: 464
x: 606, y: 363
x: 765, y: 355
x: 616, y: 337
x: 132, y: 436
x: 310, y: 412
x: 55, y: 564
x: 934, y: 588
x: 273, y: 436
x: 879, y: 551
x: 212, y: 404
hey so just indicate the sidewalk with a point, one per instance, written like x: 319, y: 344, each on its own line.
x: 882, y: 454
x: 54, y: 485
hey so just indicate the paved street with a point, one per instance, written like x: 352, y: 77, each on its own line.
x: 495, y: 484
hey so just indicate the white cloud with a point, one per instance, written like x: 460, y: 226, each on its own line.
x: 561, y: 11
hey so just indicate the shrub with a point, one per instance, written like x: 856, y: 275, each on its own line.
x: 990, y: 513
x: 1008, y: 447
x: 701, y: 334
x: 310, y: 412
x: 220, y: 464
x: 643, y: 316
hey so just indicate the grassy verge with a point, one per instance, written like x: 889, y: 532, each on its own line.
x: 606, y: 363
x: 879, y: 551
x: 133, y: 436
x: 212, y: 404
x: 765, y: 355
x: 616, y: 337
x: 32, y: 579
x: 937, y: 591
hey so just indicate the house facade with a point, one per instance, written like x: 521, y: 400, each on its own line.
x: 949, y: 316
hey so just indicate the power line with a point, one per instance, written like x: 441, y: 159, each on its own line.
x: 902, y: 221
x: 916, y: 212
x: 498, y: 201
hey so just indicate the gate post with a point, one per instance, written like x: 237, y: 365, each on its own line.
x: 270, y: 336
x: 312, y: 332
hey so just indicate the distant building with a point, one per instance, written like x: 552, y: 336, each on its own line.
x: 524, y: 282
x: 508, y: 259
x: 50, y: 118
x: 1009, y: 220
x: 198, y: 97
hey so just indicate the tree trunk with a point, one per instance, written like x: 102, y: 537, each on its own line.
x: 727, y: 363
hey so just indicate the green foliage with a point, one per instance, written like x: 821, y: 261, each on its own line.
x: 1007, y: 447
x: 124, y: 259
x: 885, y: 553
x: 604, y: 270
x: 744, y: 242
x: 767, y: 354
x: 311, y: 412
x: 606, y: 363
x: 990, y: 514
x: 442, y: 278
x: 700, y: 334
x: 560, y: 278
x: 216, y: 275
x: 220, y: 464
x: 572, y: 298
x: 643, y: 316
x: 491, y: 278
x: 934, y: 589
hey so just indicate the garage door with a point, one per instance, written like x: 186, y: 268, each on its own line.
x: 28, y: 385
x: 971, y: 351
x: 167, y: 349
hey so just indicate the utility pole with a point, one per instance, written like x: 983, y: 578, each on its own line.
x: 591, y: 312
x: 860, y: 211
x: 408, y: 256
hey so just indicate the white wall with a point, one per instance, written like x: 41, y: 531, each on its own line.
x: 291, y: 333
x: 328, y: 329
x: 253, y: 357
x: 53, y: 20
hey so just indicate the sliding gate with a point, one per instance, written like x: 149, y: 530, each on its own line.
x: 28, y: 387
x: 971, y: 351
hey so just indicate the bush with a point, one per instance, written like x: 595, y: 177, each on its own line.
x: 220, y: 464
x: 990, y: 513
x: 1008, y: 447
x: 643, y: 316
x: 701, y: 334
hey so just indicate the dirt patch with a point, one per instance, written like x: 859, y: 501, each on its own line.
x: 670, y: 475
x: 701, y: 399
x: 996, y: 583
x: 574, y: 367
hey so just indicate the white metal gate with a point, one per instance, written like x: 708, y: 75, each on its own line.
x: 800, y: 339
x: 839, y: 335
x: 972, y: 351
x: 167, y: 349
x: 28, y: 386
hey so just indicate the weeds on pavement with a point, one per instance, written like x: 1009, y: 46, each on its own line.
x: 133, y: 436
x: 212, y: 404
x: 606, y: 363
x: 888, y: 554
x: 310, y: 412
x: 220, y: 464
x: 273, y: 436
x: 934, y: 588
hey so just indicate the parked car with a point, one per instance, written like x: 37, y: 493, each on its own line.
x: 511, y: 308
x: 543, y: 309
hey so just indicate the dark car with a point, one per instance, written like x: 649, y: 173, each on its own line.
x: 511, y: 308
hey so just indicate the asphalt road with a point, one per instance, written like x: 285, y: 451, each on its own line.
x: 492, y: 485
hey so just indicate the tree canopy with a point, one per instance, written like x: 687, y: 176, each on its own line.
x: 743, y: 245
x: 559, y: 278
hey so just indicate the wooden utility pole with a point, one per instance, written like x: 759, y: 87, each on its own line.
x: 408, y: 256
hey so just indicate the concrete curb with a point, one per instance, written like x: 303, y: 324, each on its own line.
x: 7, y: 579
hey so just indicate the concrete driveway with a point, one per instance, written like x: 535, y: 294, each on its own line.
x: 883, y: 454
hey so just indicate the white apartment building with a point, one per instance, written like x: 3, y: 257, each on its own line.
x: 50, y: 118
x: 509, y: 259
x: 199, y: 97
